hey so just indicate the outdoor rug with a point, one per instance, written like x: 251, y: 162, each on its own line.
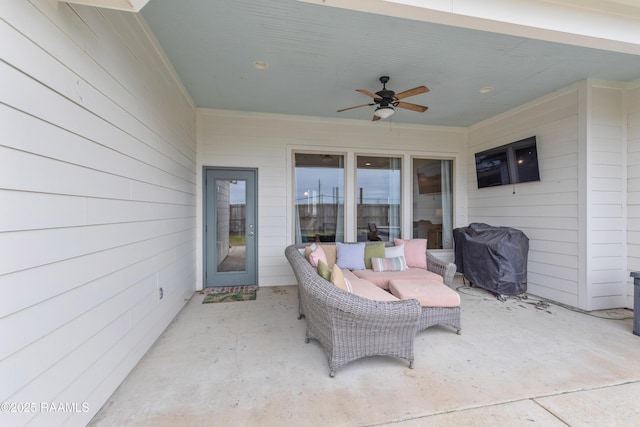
x: 229, y: 294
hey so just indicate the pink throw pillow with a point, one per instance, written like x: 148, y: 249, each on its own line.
x: 317, y: 255
x: 415, y: 252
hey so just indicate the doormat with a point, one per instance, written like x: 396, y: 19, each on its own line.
x: 229, y: 294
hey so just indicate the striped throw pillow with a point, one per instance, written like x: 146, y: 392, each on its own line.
x: 389, y: 264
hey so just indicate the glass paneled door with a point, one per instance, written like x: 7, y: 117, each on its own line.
x: 230, y: 227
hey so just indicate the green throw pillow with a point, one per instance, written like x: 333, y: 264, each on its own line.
x: 324, y: 271
x: 373, y: 251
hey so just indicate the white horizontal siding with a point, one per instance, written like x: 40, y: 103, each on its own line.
x: 606, y: 267
x: 546, y: 211
x: 576, y: 216
x: 97, y: 202
x: 633, y: 185
x: 265, y: 142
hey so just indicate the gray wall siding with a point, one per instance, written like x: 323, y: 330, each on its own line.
x: 97, y: 203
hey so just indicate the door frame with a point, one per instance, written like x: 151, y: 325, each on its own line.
x: 252, y: 171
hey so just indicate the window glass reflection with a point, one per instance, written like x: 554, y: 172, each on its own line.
x: 231, y: 203
x: 378, y: 198
x: 319, y: 197
x: 433, y: 202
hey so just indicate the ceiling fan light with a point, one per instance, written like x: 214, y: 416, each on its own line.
x: 384, y: 112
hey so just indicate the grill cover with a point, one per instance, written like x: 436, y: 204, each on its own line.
x: 493, y: 258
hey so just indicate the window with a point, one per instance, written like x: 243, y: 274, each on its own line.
x: 378, y: 198
x: 377, y: 211
x: 433, y: 202
x: 319, y: 197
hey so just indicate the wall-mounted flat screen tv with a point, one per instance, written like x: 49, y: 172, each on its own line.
x: 508, y: 164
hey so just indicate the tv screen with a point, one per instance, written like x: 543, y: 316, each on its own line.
x: 508, y: 164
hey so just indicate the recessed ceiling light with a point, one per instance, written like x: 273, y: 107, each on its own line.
x: 486, y: 89
x: 260, y: 65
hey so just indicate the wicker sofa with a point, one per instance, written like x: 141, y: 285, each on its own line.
x: 349, y: 326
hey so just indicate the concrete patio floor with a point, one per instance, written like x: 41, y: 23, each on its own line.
x: 515, y: 364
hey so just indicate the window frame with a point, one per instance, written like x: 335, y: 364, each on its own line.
x: 350, y: 183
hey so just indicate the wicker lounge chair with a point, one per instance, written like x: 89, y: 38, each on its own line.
x: 348, y: 326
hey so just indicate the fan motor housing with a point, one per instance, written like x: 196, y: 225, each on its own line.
x: 386, y: 94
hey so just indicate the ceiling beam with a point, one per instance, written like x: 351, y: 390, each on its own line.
x: 601, y: 24
x: 125, y: 5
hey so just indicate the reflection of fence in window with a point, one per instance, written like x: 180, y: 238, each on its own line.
x: 318, y: 212
x: 378, y: 214
x: 321, y: 218
x: 327, y: 213
x: 383, y: 216
x: 237, y: 224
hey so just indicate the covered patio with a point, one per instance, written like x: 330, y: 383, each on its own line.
x: 106, y: 137
x: 519, y: 362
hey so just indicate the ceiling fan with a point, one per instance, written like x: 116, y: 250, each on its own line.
x: 387, y: 100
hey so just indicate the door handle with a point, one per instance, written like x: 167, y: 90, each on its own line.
x: 251, y: 233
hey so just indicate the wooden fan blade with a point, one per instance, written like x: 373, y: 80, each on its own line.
x: 351, y: 108
x: 414, y: 107
x: 368, y: 93
x: 411, y: 92
x: 375, y: 118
